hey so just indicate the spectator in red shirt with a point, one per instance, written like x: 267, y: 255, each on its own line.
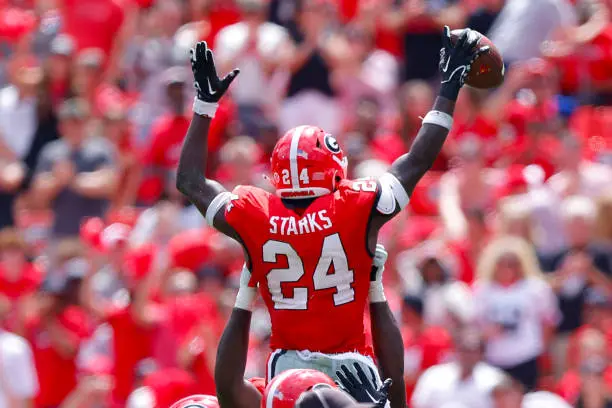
x: 597, y: 315
x: 117, y: 129
x: 56, y: 330
x: 162, y: 388
x: 59, y: 67
x: 424, y: 346
x: 162, y: 154
x: 133, y: 323
x: 470, y: 186
x: 590, y: 384
x: 415, y: 100
x: 98, y: 24
x: 583, y: 54
x: 18, y: 277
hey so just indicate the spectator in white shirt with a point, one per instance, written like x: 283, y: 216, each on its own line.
x: 467, y: 381
x: 535, y: 20
x: 509, y: 394
x: 18, y: 379
x: 515, y: 307
x: 256, y: 47
x: 577, y: 176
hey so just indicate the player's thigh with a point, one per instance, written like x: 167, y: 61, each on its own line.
x: 330, y: 364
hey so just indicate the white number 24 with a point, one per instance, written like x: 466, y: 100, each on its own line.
x: 332, y: 253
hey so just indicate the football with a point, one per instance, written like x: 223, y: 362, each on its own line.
x: 488, y: 69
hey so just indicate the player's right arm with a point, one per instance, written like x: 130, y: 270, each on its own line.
x: 207, y: 195
x: 399, y: 183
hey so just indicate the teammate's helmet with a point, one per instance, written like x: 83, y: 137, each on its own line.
x: 285, y: 389
x: 197, y: 401
x: 307, y: 162
x: 259, y: 383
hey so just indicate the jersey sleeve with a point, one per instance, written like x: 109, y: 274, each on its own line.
x: 245, y: 204
x: 392, y: 196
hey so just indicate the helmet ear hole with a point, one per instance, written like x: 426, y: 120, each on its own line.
x: 338, y: 179
x: 318, y: 144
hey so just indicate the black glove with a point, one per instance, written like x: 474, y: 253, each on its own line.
x: 208, y: 85
x: 363, y: 388
x: 456, y: 60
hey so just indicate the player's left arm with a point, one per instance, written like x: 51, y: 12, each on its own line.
x: 233, y: 391
x: 386, y: 335
x: 398, y: 184
x: 207, y: 195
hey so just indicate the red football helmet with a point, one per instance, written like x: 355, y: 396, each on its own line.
x: 197, y: 401
x: 285, y: 389
x: 307, y: 162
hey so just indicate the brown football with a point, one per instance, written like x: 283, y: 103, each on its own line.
x: 488, y: 69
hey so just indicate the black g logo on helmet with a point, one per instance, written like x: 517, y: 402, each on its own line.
x: 331, y: 143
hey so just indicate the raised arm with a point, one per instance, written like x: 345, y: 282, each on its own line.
x: 455, y: 63
x: 232, y: 389
x: 386, y: 336
x: 399, y: 183
x: 207, y: 195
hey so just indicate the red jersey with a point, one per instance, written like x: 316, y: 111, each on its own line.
x: 312, y: 265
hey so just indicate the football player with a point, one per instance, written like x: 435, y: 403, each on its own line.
x: 310, y: 246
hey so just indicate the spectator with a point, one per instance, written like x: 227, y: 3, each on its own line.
x: 162, y: 153
x: 589, y: 385
x: 162, y: 388
x: 597, y: 316
x: 133, y: 321
x: 74, y: 175
x: 19, y: 279
x: 577, y: 176
x: 485, y: 15
x: 116, y: 128
x: 56, y: 330
x: 520, y: 19
x: 509, y: 394
x: 580, y: 265
x: 419, y: 22
x: 429, y: 272
x: 415, y: 100
x: 366, y: 71
x: 424, y: 346
x: 515, y: 307
x: 18, y: 123
x: 59, y: 67
x: 17, y: 370
x: 257, y: 48
x: 367, y: 138
x: 311, y: 97
x: 580, y: 53
x: 468, y: 380
x: 604, y: 220
x: 468, y: 187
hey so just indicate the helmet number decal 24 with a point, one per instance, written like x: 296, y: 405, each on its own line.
x: 332, y: 253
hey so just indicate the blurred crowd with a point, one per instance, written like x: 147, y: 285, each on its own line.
x: 114, y: 292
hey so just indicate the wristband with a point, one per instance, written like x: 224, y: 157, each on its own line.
x: 204, y: 108
x: 377, y: 292
x: 245, y: 298
x: 246, y: 294
x: 435, y: 117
